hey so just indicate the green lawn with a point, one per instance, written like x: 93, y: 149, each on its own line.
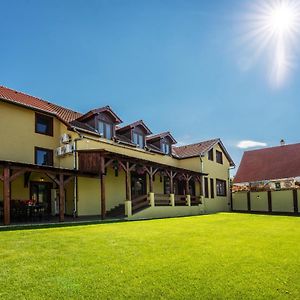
x: 211, y: 257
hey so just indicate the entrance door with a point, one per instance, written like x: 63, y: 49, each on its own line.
x: 40, y: 192
x: 138, y: 185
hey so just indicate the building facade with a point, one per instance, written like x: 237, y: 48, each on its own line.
x: 57, y: 162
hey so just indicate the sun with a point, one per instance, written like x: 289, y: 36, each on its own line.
x: 273, y: 30
x: 282, y: 18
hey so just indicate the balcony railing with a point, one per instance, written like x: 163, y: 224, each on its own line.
x: 180, y: 200
x: 140, y: 203
x: 162, y: 200
x: 195, y: 200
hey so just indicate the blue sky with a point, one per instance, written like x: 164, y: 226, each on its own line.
x: 178, y: 65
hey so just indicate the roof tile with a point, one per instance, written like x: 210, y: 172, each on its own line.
x: 269, y: 163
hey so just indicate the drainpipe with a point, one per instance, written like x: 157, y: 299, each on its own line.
x: 229, y: 188
x: 202, y: 180
x: 75, y: 168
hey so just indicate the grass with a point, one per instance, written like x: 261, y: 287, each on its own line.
x: 222, y: 256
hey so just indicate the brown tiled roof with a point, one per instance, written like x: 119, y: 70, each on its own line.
x: 134, y: 124
x: 99, y: 110
x: 161, y: 135
x: 269, y: 163
x: 200, y: 148
x: 194, y: 149
x: 13, y: 96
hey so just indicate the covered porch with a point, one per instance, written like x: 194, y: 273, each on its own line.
x: 36, y: 194
x: 146, y: 184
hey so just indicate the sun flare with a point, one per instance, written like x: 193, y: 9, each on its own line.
x: 273, y: 29
x: 282, y: 18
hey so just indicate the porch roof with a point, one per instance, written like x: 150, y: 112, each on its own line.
x: 97, y: 153
x: 38, y: 168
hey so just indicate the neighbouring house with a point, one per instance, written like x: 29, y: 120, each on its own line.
x: 58, y: 162
x: 268, y: 180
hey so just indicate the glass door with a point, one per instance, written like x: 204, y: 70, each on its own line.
x: 40, y: 193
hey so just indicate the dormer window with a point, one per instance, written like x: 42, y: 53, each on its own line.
x: 165, y: 148
x: 138, y: 139
x: 105, y: 129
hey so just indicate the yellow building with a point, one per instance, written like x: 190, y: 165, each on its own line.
x: 57, y: 162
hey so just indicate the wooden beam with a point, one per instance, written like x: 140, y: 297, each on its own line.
x: 53, y: 178
x: 6, y: 196
x: 295, y: 200
x: 151, y: 179
x: 26, y: 179
x: 17, y: 174
x: 102, y: 187
x: 128, y: 182
x: 102, y: 192
x: 68, y: 180
x: 61, y: 198
x: 108, y: 163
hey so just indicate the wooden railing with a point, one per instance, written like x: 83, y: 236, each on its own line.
x: 195, y: 200
x: 140, y: 203
x: 162, y: 200
x: 180, y: 200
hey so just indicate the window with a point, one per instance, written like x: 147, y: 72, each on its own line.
x: 43, y: 124
x: 212, y: 188
x: 165, y: 148
x: 138, y: 139
x: 206, y: 194
x: 219, y: 157
x: 221, y: 187
x: 43, y: 157
x: 211, y: 154
x: 105, y: 129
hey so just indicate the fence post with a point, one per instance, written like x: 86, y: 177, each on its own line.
x: 269, y: 201
x: 249, y: 201
x: 295, y: 200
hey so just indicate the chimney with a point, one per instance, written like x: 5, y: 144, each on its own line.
x: 282, y: 142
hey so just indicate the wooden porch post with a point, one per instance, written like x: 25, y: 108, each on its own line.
x: 171, y: 182
x: 102, y: 187
x: 151, y: 179
x: 6, y: 196
x: 128, y: 185
x: 61, y: 198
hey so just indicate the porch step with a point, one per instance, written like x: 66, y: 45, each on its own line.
x: 117, y: 211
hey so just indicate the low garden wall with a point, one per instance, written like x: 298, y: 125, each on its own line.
x: 284, y: 201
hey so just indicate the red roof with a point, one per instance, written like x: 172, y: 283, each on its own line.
x: 64, y: 114
x: 269, y: 163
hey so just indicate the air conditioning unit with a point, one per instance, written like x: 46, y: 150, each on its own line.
x: 65, y: 138
x: 59, y: 151
x: 63, y: 150
x: 68, y: 148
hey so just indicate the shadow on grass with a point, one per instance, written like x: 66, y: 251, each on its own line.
x: 58, y: 225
